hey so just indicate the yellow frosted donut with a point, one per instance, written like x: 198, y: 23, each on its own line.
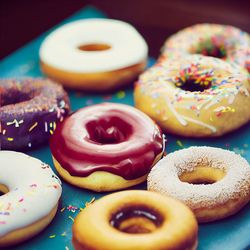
x: 213, y: 182
x: 135, y: 220
x: 195, y: 96
x: 94, y: 54
x: 223, y: 41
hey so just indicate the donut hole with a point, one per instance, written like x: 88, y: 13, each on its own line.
x: 108, y: 130
x: 202, y: 176
x: 211, y: 47
x: 194, y: 78
x: 136, y: 220
x: 94, y: 47
x: 3, y: 189
x: 192, y: 86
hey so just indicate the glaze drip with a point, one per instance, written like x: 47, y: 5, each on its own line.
x: 107, y: 137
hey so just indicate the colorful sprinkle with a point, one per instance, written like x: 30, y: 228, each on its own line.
x: 70, y: 217
x: 120, y: 94
x: 179, y: 143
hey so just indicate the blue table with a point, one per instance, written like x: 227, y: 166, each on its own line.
x: 229, y: 234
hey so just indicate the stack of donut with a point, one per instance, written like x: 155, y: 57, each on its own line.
x: 198, y: 88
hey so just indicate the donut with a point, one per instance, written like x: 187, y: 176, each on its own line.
x: 135, y: 220
x: 30, y: 197
x: 29, y: 111
x: 213, y: 182
x: 195, y: 96
x: 222, y: 41
x: 94, y: 54
x: 106, y: 147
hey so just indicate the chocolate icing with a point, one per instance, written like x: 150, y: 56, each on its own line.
x: 107, y: 137
x: 29, y: 111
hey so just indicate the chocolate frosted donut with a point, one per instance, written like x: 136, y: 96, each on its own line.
x: 29, y: 111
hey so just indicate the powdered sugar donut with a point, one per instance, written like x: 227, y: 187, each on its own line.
x: 185, y: 173
x: 94, y: 54
x: 31, y: 197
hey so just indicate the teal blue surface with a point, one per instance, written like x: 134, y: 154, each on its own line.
x: 229, y: 234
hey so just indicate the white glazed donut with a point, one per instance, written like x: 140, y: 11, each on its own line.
x: 32, y: 192
x: 113, y: 46
x: 181, y: 174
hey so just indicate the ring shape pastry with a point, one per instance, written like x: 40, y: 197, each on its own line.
x: 94, y: 54
x: 31, y: 194
x: 213, y: 182
x: 195, y: 96
x: 135, y: 220
x: 223, y: 41
x: 106, y: 147
x: 29, y: 111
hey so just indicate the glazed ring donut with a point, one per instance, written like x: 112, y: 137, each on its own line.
x: 135, y: 220
x: 195, y: 96
x: 30, y: 202
x: 106, y: 147
x: 29, y: 111
x: 223, y: 41
x: 213, y: 182
x: 94, y: 54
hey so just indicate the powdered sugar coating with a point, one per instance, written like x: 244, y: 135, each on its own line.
x: 164, y: 177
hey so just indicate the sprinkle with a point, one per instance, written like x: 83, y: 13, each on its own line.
x: 33, y: 126
x: 46, y: 127
x: 70, y: 217
x: 54, y: 126
x: 120, y: 94
x: 90, y: 202
x: 15, y: 122
x: 63, y: 234
x: 10, y: 139
x: 52, y: 236
x: 66, y: 248
x: 62, y: 209
x: 29, y: 144
x: 21, y: 200
x: 179, y: 143
x: 72, y: 208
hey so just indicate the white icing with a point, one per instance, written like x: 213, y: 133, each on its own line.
x: 34, y: 190
x: 175, y: 113
x: 164, y: 177
x: 60, y: 48
x: 212, y: 128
